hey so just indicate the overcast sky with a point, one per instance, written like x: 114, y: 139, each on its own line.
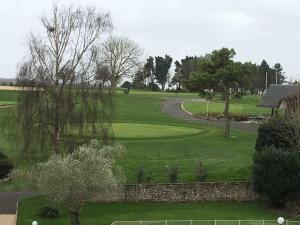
x: 256, y: 29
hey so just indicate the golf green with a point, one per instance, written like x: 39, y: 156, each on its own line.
x: 151, y: 131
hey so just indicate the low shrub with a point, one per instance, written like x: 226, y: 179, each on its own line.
x: 49, y: 212
x: 149, y: 177
x: 239, y: 116
x: 141, y: 176
x: 173, y: 174
x: 138, y: 85
x: 201, y: 173
x: 5, y: 165
x: 232, y: 116
x: 153, y: 87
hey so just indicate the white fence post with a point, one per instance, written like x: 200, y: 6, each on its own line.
x: 191, y: 222
x: 166, y: 222
x: 215, y: 222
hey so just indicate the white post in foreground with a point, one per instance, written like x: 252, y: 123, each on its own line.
x: 266, y: 80
x: 207, y: 115
x: 280, y: 220
x: 34, y: 223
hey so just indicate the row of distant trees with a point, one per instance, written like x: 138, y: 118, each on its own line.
x: 217, y: 70
x: 195, y: 73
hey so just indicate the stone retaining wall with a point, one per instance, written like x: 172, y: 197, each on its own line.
x: 207, y: 191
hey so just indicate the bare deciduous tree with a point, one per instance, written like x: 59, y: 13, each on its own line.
x: 290, y: 130
x: 64, y: 101
x: 89, y: 173
x: 122, y: 57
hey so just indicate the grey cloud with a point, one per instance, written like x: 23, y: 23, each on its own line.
x: 257, y: 29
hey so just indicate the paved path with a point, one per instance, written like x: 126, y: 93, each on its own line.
x: 8, y: 201
x: 8, y: 204
x: 172, y: 106
x: 7, y: 219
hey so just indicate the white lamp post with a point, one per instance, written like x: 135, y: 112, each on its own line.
x: 280, y: 220
x: 34, y: 223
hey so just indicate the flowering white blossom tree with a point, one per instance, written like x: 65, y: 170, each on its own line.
x: 89, y: 173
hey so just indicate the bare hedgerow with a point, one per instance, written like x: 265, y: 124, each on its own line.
x: 290, y: 130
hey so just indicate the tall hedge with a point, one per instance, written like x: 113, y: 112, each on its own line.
x: 276, y: 174
x: 271, y: 133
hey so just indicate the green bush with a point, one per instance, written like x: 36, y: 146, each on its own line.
x: 153, y: 87
x: 141, y: 176
x: 5, y: 165
x: 48, y: 212
x: 138, y: 85
x: 232, y: 116
x: 173, y: 174
x: 276, y: 174
x: 239, y: 116
x: 201, y: 173
x: 271, y: 133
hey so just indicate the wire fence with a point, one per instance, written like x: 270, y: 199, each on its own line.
x: 205, y: 222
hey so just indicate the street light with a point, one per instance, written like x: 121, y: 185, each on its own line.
x: 280, y: 220
x: 34, y: 223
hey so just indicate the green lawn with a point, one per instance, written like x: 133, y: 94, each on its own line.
x: 218, y: 107
x: 245, y: 105
x: 137, y: 131
x: 107, y: 213
x: 156, y: 142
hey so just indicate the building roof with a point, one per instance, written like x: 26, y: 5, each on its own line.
x: 276, y: 93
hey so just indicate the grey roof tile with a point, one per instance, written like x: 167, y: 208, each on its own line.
x: 276, y: 93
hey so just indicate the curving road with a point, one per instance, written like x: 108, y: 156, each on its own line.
x: 172, y: 106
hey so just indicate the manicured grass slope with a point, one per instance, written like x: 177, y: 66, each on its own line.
x: 105, y: 214
x: 225, y: 160
x: 184, y: 144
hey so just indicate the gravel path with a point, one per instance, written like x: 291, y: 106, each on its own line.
x: 172, y: 106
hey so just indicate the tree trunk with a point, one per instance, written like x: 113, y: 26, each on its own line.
x: 226, y: 116
x: 57, y: 122
x: 74, y: 218
x: 56, y: 140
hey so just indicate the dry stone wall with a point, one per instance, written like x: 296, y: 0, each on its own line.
x: 190, y: 192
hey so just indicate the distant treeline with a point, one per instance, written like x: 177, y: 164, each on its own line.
x: 193, y: 72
